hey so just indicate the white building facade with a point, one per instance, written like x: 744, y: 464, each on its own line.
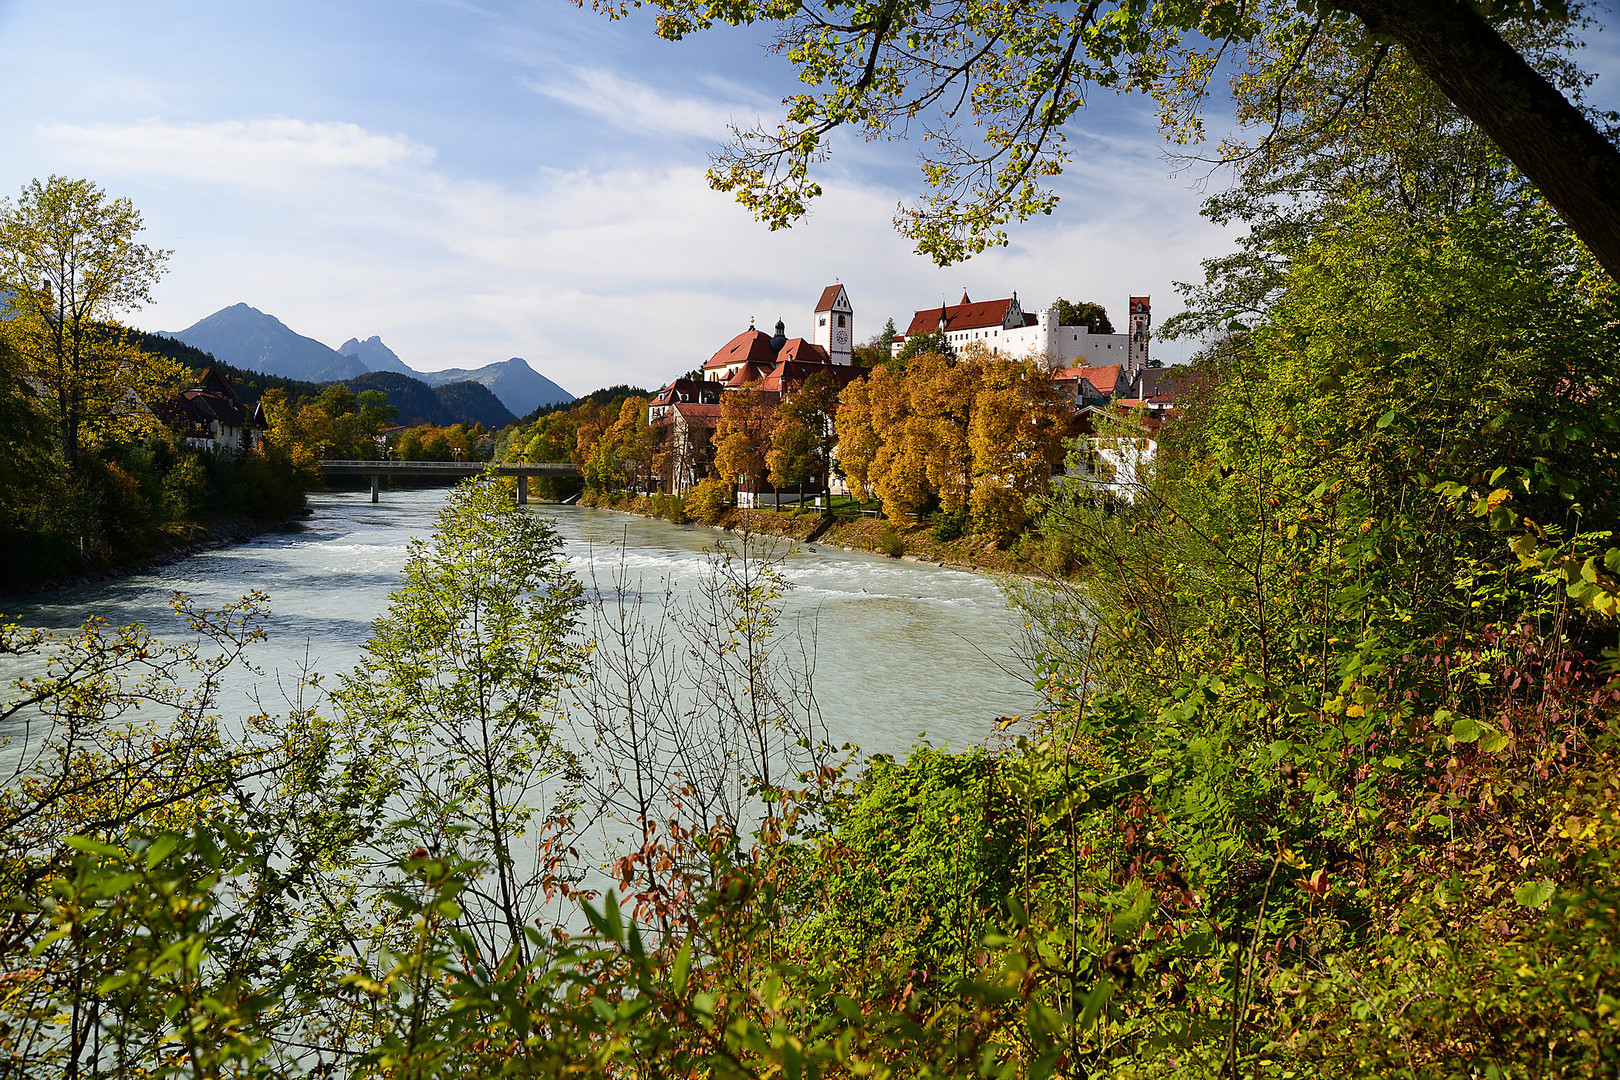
x: 1005, y: 328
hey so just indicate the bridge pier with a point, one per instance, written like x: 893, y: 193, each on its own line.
x: 523, y: 490
x: 376, y: 486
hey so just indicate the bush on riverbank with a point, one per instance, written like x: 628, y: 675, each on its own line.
x: 131, y: 502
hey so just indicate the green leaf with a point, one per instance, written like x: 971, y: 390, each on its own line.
x: 1533, y: 894
x: 1095, y: 1002
x: 612, y: 921
x: 160, y: 848
x: 94, y: 847
x: 683, y: 968
x: 1467, y: 729
x: 1387, y: 419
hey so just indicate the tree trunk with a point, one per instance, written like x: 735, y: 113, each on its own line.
x: 1549, y: 139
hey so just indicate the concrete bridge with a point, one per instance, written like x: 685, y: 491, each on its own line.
x: 449, y: 470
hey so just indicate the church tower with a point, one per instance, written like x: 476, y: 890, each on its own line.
x: 1141, y: 323
x: 835, y: 324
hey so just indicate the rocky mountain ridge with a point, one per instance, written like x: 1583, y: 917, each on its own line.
x: 245, y: 337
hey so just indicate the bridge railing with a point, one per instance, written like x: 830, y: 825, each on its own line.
x: 523, y: 470
x: 533, y: 468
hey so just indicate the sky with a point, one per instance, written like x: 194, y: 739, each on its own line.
x: 473, y: 180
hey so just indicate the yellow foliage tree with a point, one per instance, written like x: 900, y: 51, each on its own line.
x: 1019, y: 420
x: 742, y: 438
x: 70, y: 264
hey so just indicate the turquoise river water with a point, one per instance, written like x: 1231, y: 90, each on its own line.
x: 903, y: 650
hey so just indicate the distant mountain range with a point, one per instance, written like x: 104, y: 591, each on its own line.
x: 246, y: 337
x: 416, y: 401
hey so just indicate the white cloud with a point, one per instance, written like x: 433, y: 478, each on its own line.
x: 597, y: 276
x: 268, y: 151
x: 635, y: 106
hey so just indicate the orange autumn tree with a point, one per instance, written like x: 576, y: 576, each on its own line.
x: 903, y: 434
x: 942, y: 397
x: 980, y: 432
x: 742, y: 438
x: 1016, y: 436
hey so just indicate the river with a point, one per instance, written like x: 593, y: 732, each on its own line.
x: 904, y: 651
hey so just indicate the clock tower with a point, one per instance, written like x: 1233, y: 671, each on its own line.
x: 834, y: 322
x: 1141, y: 326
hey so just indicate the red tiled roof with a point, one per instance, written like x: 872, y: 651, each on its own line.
x: 752, y: 371
x: 212, y: 399
x: 214, y: 382
x: 1105, y: 377
x: 686, y: 390
x: 789, y: 376
x: 963, y: 316
x: 751, y: 344
x: 828, y: 296
x: 802, y: 351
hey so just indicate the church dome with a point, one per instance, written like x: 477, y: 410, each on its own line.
x: 781, y: 337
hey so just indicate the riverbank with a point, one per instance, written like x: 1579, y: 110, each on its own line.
x: 911, y: 541
x: 178, y: 541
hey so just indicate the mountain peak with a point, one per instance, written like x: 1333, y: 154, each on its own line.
x: 520, y: 388
x: 245, y: 337
x: 375, y: 355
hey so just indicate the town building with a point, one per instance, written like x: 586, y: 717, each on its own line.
x: 1005, y: 328
x: 210, y: 416
x: 1116, y: 449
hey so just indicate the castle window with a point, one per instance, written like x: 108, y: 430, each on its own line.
x: 822, y: 321
x: 840, y: 320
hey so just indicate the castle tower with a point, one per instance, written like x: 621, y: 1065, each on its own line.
x: 1141, y: 323
x: 835, y: 324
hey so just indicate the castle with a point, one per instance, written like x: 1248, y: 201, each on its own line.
x: 1005, y: 328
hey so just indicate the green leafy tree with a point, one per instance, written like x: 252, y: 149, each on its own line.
x: 71, y: 264
x: 33, y: 492
x: 1020, y: 72
x: 802, y: 441
x: 1367, y: 121
x: 742, y: 437
x: 1084, y: 313
x: 934, y: 342
x: 792, y: 458
x: 457, y: 689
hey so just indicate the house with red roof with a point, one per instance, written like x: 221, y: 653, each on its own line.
x: 1006, y: 329
x: 210, y: 416
x: 1115, y: 450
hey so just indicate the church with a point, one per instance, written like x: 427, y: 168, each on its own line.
x: 752, y: 355
x: 688, y: 410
